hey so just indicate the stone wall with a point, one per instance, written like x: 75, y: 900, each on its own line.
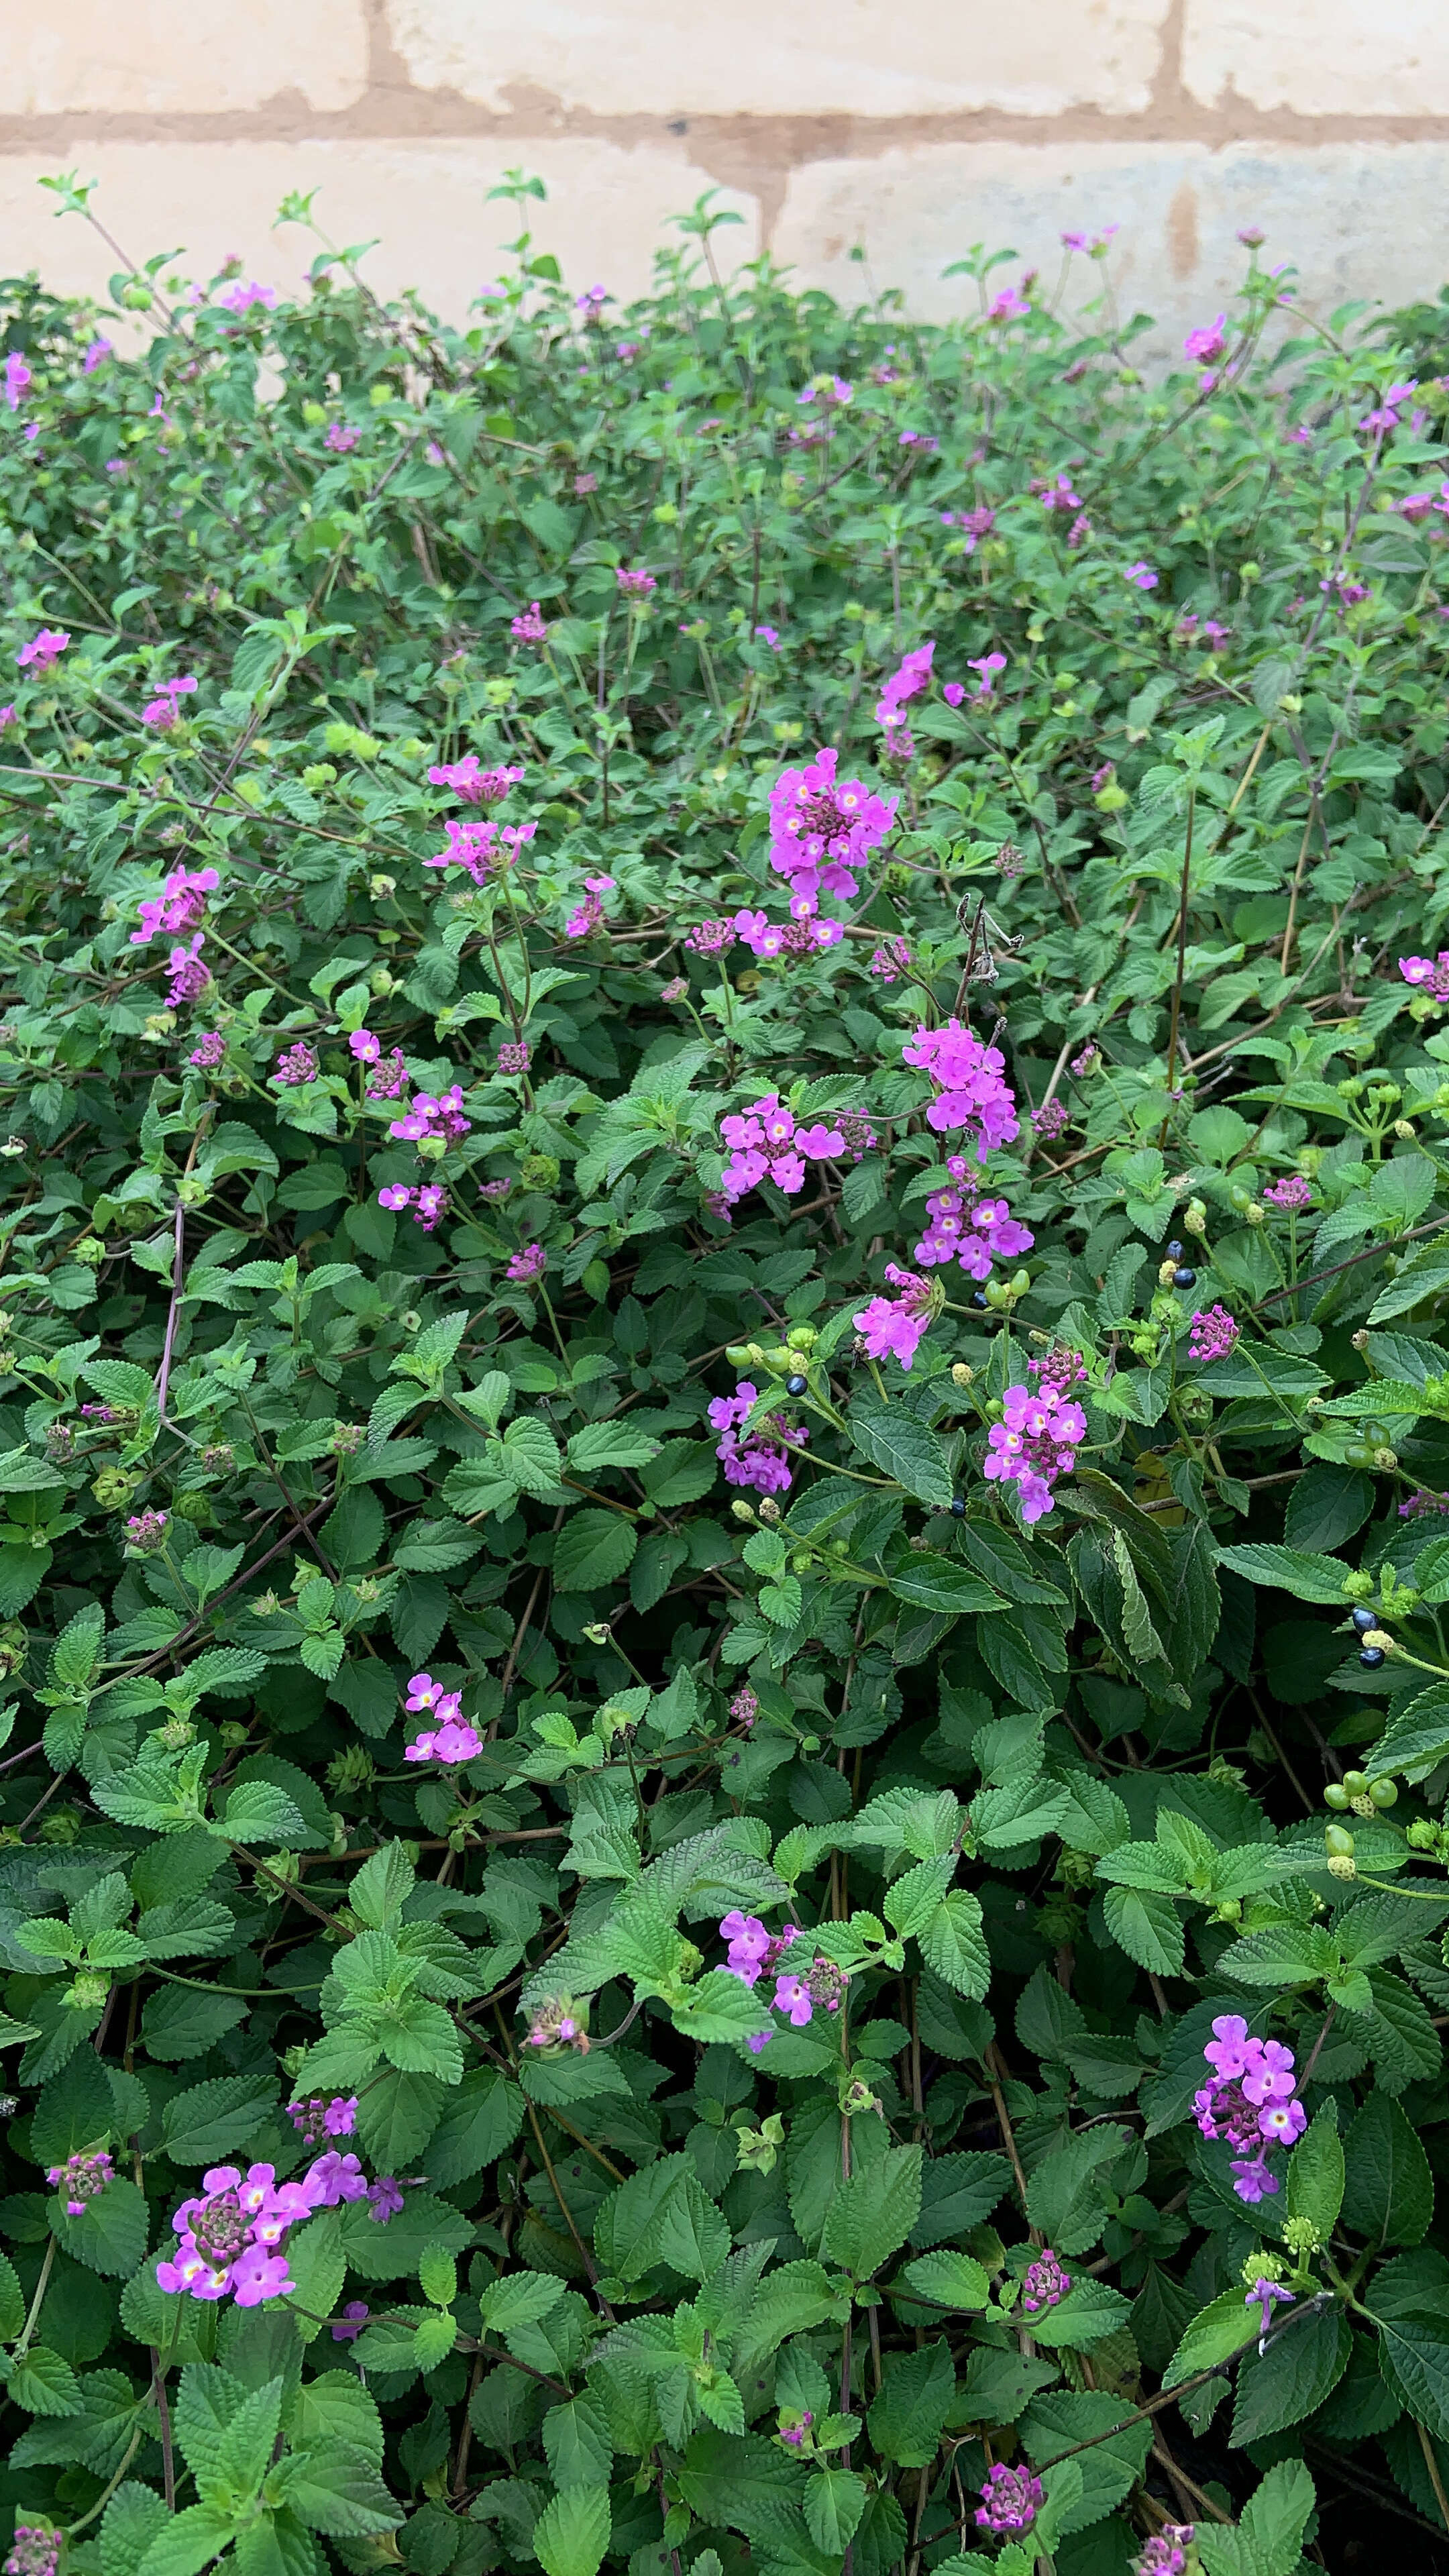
x: 835, y: 128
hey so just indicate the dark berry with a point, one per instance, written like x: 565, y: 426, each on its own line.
x: 796, y: 1385
x: 958, y: 1507
x: 1184, y: 1278
x: 1364, y: 1619
x: 1371, y: 1657
x: 1174, y: 1252
x: 978, y: 1296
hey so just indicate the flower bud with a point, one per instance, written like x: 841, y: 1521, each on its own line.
x: 1194, y: 1217
x: 769, y: 1510
x: 961, y: 1375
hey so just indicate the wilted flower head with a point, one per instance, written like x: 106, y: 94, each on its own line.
x: 1010, y: 2499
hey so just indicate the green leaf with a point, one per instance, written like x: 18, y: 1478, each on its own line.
x: 1389, y: 2187
x: 953, y: 1943
x: 44, y: 2384
x: 1291, y: 1569
x: 1219, y: 2330
x: 213, y: 2121
x: 1147, y: 1926
x: 1316, y: 2173
x: 1414, y: 2357
x: 872, y: 2215
x: 940, y: 1583
x: 834, y: 2501
x: 1304, y: 2361
x: 592, y: 1549
x: 258, y: 1812
x: 135, y: 2517
x: 111, y: 2233
x: 340, y: 2490
x: 915, y: 2398
x: 572, y: 2533
x: 190, y: 2541
x: 902, y: 1448
x: 949, y: 2280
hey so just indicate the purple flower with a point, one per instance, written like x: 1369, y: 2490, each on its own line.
x: 972, y: 1091
x: 481, y: 847
x: 79, y: 2179
x: 988, y: 666
x: 1249, y: 2102
x: 765, y: 1144
x: 161, y: 715
x: 180, y: 905
x: 896, y: 1325
x: 209, y: 1052
x: 97, y: 352
x: 43, y: 649
x: 395, y: 1196
x: 823, y: 828
x: 1141, y: 576
x: 454, y: 1741
x: 513, y: 1058
x: 341, y: 438
x: 1293, y: 1192
x: 18, y: 379
x: 1007, y: 306
x: 762, y: 1462
x: 1045, y: 2284
x: 890, y: 961
x: 35, y: 2550
x: 1034, y: 1443
x: 476, y: 785
x: 1050, y: 1120
x: 769, y: 635
x: 316, y: 2117
x: 1058, y: 495
x: 8, y: 716
x: 1165, y: 2554
x: 241, y: 299
x: 913, y: 676
x: 189, y: 973
x: 530, y: 627
x: 953, y: 692
x: 634, y: 584
x: 1212, y: 1335
x: 364, y: 1047
x: 711, y: 938
x: 526, y: 1266
x: 384, y: 2200
x: 1010, y: 2499
x: 295, y: 1066
x: 1429, y: 973
x: 744, y: 1709
x: 1266, y: 2295
x: 146, y: 1532
x: 354, y: 2317
x: 427, y: 1117
x: 1206, y: 344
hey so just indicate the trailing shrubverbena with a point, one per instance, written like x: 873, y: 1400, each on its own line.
x: 725, y: 1432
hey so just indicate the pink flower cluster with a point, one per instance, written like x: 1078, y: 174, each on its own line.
x: 895, y: 1325
x: 210, y: 1052
x: 233, y: 2234
x: 822, y: 829
x: 481, y: 848
x: 427, y: 1202
x: 1165, y: 2554
x: 913, y: 676
x: 79, y: 2179
x: 753, y: 1953
x: 476, y: 785
x: 162, y: 712
x: 713, y: 938
x: 451, y: 1738
x: 318, y: 2116
x: 341, y: 438
x: 971, y: 1086
x: 799, y: 938
x: 763, y: 1461
x: 968, y: 1230
x: 1292, y: 1192
x: 975, y: 524
x: 752, y: 1950
x: 1010, y: 2499
x: 526, y: 1266
x: 590, y: 913
x: 766, y: 1144
x: 295, y: 1066
x: 43, y: 649
x: 530, y: 627
x: 1212, y: 1335
x: 179, y: 906
x: 1249, y: 2101
x: 35, y: 2550
x: 891, y: 960
x: 1431, y: 974
x: 1206, y: 344
x: 189, y: 973
x: 1034, y: 1443
x: 1045, y: 2284
x: 426, y: 1116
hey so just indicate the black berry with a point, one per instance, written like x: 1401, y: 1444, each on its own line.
x: 1184, y: 1278
x: 958, y: 1507
x: 796, y: 1385
x: 1371, y: 1657
x: 1174, y: 1252
x: 1364, y: 1619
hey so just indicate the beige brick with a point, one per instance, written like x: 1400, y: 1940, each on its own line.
x: 1355, y: 219
x: 158, y: 57
x: 1321, y: 57
x: 605, y: 215
x: 785, y: 57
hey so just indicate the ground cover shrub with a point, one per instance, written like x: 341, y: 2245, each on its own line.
x: 725, y: 1422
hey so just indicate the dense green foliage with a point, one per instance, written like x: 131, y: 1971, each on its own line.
x: 1047, y: 1795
